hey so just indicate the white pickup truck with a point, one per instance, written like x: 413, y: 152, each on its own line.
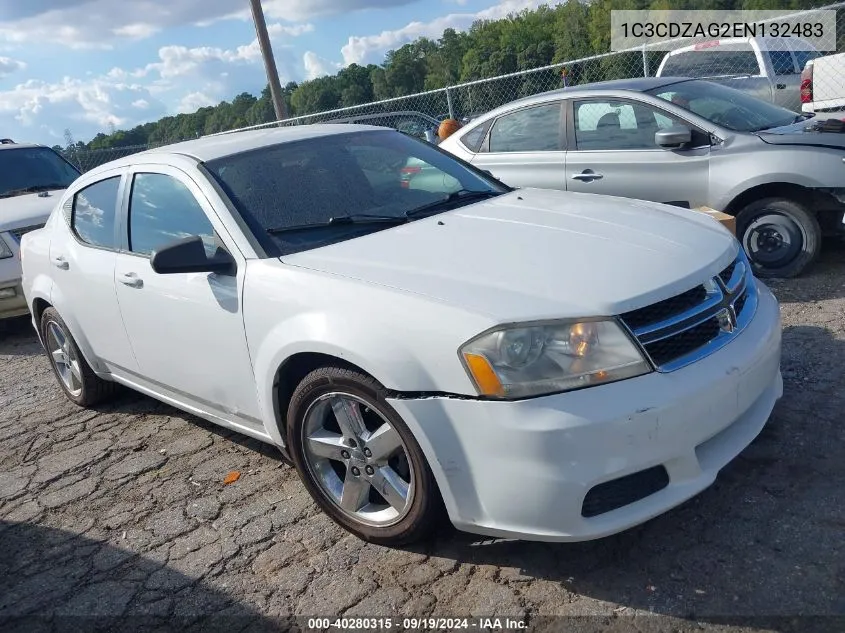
x: 767, y: 69
x: 823, y: 84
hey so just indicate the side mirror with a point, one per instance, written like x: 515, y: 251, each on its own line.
x: 431, y: 137
x: 188, y: 256
x: 673, y: 137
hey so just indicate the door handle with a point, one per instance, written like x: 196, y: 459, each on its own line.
x: 60, y: 262
x: 131, y: 279
x: 781, y: 86
x: 587, y: 176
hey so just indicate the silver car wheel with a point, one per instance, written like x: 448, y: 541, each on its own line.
x: 64, y: 359
x: 358, y: 459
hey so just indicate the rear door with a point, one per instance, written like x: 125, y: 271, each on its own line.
x: 612, y: 152
x: 526, y: 147
x: 82, y: 255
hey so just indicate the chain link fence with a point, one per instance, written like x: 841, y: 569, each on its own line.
x: 788, y: 72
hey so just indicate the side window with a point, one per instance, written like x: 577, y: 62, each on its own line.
x: 782, y: 62
x: 619, y: 125
x: 802, y: 57
x: 162, y: 210
x: 536, y: 129
x: 93, y: 213
x: 473, y: 139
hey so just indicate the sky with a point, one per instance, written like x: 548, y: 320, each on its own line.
x: 90, y: 66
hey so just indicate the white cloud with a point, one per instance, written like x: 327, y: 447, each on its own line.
x: 194, y: 101
x: 78, y: 104
x: 9, y: 66
x: 294, y: 30
x: 371, y: 48
x: 98, y: 24
x: 181, y: 80
x: 316, y: 66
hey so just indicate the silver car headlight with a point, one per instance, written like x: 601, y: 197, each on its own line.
x: 5, y: 251
x: 521, y: 361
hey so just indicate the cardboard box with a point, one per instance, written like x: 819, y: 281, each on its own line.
x: 728, y: 221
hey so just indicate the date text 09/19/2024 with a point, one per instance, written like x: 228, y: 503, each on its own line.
x: 413, y: 624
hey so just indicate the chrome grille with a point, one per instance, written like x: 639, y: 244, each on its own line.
x: 19, y: 232
x: 687, y: 327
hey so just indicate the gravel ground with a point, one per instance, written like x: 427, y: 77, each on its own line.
x: 122, y: 511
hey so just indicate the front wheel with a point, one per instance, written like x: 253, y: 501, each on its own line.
x: 358, y: 459
x: 780, y: 236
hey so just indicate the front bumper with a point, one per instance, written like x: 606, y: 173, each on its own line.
x: 14, y: 305
x: 523, y: 469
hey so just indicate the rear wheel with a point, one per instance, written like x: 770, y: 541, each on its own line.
x: 781, y: 237
x: 76, y: 378
x: 358, y: 459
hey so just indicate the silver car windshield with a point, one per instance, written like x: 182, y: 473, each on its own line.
x: 725, y: 106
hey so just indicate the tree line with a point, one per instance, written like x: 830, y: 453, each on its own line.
x: 523, y: 41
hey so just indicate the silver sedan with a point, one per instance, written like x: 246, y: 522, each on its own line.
x: 683, y: 142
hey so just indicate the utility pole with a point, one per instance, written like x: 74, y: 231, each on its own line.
x: 269, y: 60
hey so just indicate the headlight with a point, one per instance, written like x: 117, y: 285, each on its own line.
x: 5, y: 251
x: 534, y: 359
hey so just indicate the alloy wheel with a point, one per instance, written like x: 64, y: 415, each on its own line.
x: 358, y: 459
x: 64, y: 359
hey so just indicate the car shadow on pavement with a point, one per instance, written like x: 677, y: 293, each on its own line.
x: 765, y: 541
x: 55, y: 580
x: 17, y: 337
x: 821, y: 282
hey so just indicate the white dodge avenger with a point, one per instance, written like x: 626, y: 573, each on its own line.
x: 537, y: 364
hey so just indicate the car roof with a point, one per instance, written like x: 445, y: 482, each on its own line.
x: 640, y: 84
x: 18, y: 146
x: 216, y: 146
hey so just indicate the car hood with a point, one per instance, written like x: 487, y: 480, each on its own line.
x: 27, y: 210
x: 799, y: 134
x: 534, y: 254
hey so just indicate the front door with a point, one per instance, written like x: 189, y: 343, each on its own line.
x: 612, y: 152
x: 186, y: 329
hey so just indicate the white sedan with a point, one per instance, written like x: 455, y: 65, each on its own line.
x: 538, y: 364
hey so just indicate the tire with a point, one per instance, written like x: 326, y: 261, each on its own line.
x: 76, y: 378
x: 344, y: 476
x: 780, y: 236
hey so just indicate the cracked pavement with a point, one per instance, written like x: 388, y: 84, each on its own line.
x: 122, y: 512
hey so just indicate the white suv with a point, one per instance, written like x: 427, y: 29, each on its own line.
x: 32, y: 179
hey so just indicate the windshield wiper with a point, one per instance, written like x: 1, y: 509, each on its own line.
x: 341, y: 220
x: 32, y: 189
x: 462, y: 195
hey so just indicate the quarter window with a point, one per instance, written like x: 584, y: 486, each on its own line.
x: 163, y: 210
x: 535, y: 129
x: 92, y: 217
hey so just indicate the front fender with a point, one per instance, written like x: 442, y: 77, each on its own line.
x: 406, y: 342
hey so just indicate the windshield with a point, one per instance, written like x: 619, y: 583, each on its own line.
x: 29, y: 169
x: 725, y: 106
x: 295, y: 196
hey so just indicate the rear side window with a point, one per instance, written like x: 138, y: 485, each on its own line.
x: 536, y: 129
x: 782, y: 62
x: 802, y: 57
x: 93, y: 213
x: 723, y: 60
x: 163, y: 210
x: 473, y: 139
